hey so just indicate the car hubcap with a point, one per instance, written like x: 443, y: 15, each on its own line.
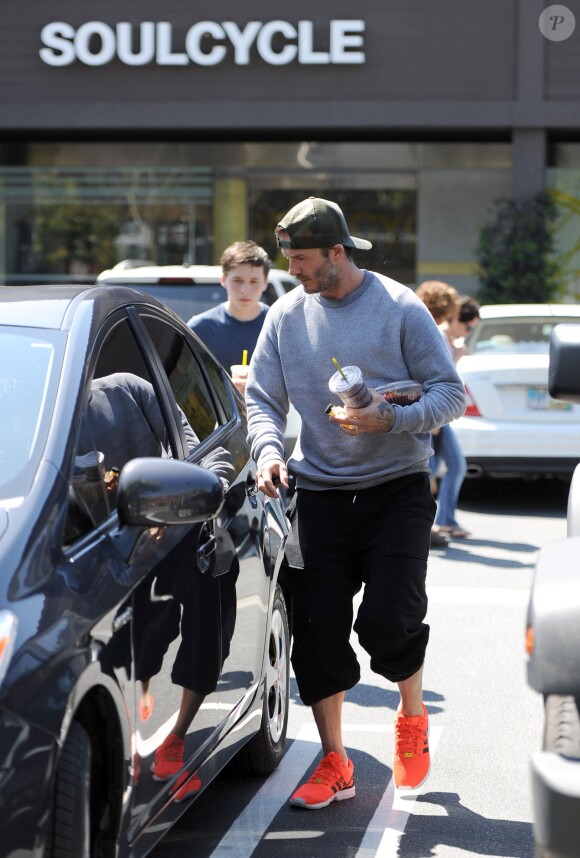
x: 277, y: 677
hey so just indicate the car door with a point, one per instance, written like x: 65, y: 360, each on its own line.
x: 199, y: 385
x: 166, y: 635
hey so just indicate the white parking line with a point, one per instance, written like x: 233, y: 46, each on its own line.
x: 250, y: 826
x: 383, y: 832
x: 392, y: 814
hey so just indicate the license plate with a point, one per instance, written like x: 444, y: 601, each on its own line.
x: 539, y: 399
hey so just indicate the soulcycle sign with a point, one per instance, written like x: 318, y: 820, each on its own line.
x: 206, y: 43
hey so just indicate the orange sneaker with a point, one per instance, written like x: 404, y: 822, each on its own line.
x: 189, y: 789
x: 146, y: 706
x: 412, y: 762
x: 168, y: 759
x: 331, y: 781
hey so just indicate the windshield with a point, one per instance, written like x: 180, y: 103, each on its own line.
x: 27, y: 380
x: 513, y: 335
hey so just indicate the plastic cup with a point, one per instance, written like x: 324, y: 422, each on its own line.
x: 401, y: 392
x: 349, y: 385
x: 239, y: 372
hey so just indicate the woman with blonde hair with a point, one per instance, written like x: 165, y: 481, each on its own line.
x: 449, y: 308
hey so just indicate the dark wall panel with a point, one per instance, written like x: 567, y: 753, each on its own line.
x: 416, y: 51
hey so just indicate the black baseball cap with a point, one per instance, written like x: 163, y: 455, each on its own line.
x: 317, y: 223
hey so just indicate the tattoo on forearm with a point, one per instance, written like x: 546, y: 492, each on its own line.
x: 386, y: 416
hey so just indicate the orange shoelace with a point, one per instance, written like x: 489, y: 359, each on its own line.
x: 327, y: 773
x: 410, y: 738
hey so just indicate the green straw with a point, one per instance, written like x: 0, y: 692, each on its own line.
x: 339, y: 368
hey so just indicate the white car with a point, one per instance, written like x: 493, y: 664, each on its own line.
x: 191, y: 289
x: 512, y: 426
x: 187, y: 289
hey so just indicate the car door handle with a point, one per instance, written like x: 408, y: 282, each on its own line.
x: 252, y: 489
x: 205, y: 552
x: 251, y: 485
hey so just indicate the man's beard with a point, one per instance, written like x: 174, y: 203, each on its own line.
x: 323, y: 279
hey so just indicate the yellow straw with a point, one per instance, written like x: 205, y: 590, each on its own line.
x: 245, y: 357
x: 339, y: 368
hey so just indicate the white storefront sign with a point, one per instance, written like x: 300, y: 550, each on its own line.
x: 207, y: 43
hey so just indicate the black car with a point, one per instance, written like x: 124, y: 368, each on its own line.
x: 141, y: 594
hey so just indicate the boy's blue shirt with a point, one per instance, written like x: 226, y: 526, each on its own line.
x: 226, y: 337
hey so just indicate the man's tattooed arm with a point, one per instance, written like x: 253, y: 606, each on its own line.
x: 385, y: 417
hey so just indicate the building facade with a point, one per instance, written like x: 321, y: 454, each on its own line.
x: 166, y: 131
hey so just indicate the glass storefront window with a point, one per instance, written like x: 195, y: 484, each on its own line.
x: 69, y: 210
x: 68, y: 224
x: 385, y: 217
x: 563, y: 184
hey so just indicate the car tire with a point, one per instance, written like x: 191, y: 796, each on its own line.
x: 562, y: 726
x: 70, y: 827
x: 262, y: 754
x: 561, y: 734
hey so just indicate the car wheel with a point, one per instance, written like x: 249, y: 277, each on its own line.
x: 562, y: 726
x: 70, y: 828
x: 561, y: 734
x: 263, y: 752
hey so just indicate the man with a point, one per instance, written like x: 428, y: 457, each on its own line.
x: 363, y: 508
x: 231, y: 329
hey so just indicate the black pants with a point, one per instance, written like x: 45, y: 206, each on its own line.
x: 377, y: 538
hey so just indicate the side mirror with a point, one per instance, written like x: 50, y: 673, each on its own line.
x: 564, y: 373
x: 155, y: 491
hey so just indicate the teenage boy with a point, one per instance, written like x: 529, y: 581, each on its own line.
x: 231, y: 329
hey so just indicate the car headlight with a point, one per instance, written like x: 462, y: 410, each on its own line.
x: 8, y: 626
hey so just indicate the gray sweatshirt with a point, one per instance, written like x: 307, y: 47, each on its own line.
x: 387, y: 331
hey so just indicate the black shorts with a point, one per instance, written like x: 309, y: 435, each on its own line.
x: 376, y: 538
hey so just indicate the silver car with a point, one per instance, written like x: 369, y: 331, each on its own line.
x: 553, y: 643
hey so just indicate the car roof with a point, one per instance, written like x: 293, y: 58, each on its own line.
x: 499, y: 311
x: 174, y: 274
x: 161, y: 273
x: 47, y: 306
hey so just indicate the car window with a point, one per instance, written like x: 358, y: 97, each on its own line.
x: 88, y: 504
x: 512, y: 336
x: 221, y: 387
x: 186, y: 300
x: 185, y: 376
x: 121, y: 419
x: 29, y: 369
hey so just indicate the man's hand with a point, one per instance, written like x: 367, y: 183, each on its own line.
x: 270, y: 475
x: 379, y: 416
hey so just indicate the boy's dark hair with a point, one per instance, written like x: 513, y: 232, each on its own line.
x: 468, y: 309
x: 245, y: 253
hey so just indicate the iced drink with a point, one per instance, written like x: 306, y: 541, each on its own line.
x: 239, y: 374
x: 349, y: 385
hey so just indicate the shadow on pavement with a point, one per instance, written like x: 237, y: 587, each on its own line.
x: 463, y: 830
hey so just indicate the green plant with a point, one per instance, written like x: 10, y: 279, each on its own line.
x: 514, y: 253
